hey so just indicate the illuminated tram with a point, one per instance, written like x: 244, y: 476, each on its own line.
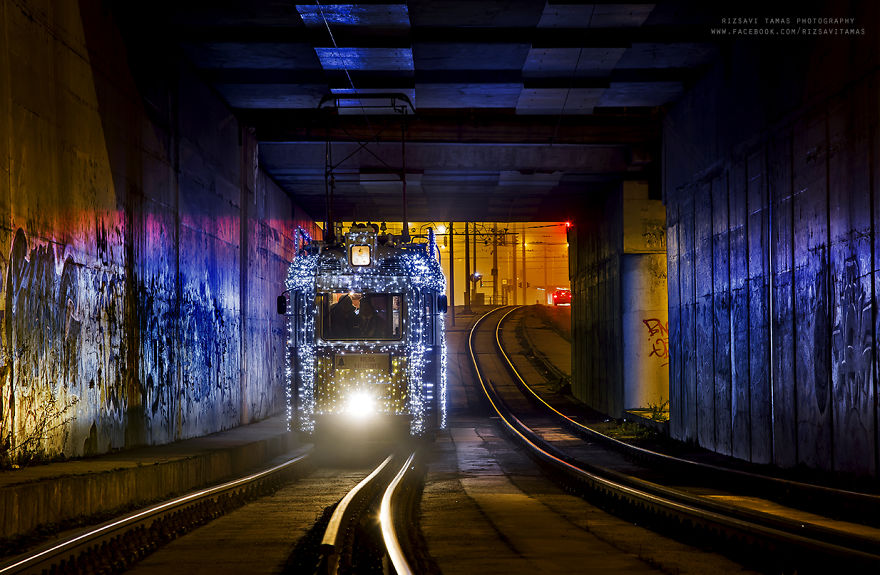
x: 366, y: 342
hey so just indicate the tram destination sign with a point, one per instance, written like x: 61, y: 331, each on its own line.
x: 362, y: 361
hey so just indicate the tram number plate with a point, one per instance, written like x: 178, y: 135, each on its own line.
x: 378, y: 361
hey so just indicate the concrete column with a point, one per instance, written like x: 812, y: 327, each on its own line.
x: 644, y: 299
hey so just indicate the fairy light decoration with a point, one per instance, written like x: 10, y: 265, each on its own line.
x: 410, y: 270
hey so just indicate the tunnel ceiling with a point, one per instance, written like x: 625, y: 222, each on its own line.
x: 519, y: 108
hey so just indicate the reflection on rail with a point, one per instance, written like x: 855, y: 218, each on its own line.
x: 340, y: 537
x: 386, y: 516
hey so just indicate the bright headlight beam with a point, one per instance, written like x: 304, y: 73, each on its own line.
x: 360, y: 405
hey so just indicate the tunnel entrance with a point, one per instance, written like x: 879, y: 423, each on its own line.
x: 498, y: 263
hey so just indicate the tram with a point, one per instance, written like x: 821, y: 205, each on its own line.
x: 366, y: 344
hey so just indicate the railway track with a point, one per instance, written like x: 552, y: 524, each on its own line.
x: 676, y: 495
x: 381, y: 491
x: 116, y: 544
x: 840, y: 504
x: 351, y: 539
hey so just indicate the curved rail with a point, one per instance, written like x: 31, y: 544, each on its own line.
x: 859, y: 504
x: 386, y: 518
x: 335, y: 534
x: 117, y: 528
x: 339, y: 534
x: 684, y: 508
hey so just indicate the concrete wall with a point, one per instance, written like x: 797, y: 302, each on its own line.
x: 645, y: 328
x: 595, y: 246
x: 141, y: 246
x: 771, y: 195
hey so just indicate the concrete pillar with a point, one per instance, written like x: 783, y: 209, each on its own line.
x: 643, y: 299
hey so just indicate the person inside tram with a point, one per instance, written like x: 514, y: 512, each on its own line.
x: 372, y: 324
x: 344, y: 316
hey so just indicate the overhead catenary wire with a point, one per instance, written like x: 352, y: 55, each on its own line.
x: 336, y: 49
x: 329, y: 167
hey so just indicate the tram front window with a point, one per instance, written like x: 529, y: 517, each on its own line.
x: 367, y: 316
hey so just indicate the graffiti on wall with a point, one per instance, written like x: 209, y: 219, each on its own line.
x: 157, y: 332
x: 41, y: 321
x: 654, y: 234
x: 209, y: 361
x: 658, y: 338
x: 852, y: 344
x: 65, y: 342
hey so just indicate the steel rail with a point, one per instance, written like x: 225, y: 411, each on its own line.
x: 334, y: 535
x: 695, y: 515
x: 386, y: 518
x: 860, y: 500
x: 338, y: 534
x: 59, y: 550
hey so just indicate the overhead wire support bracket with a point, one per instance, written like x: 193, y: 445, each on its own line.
x: 377, y: 103
x: 370, y: 103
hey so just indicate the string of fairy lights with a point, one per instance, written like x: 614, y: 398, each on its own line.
x: 322, y: 386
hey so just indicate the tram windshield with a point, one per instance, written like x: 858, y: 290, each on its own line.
x: 361, y: 316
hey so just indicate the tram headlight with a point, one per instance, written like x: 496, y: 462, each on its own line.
x: 360, y: 405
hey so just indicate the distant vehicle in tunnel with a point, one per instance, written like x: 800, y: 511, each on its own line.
x: 366, y: 342
x: 562, y: 296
